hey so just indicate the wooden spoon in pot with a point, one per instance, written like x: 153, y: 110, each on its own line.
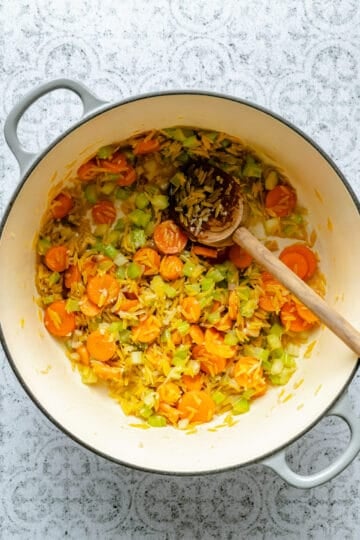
x: 209, y: 205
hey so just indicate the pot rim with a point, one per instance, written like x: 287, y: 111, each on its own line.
x: 42, y: 154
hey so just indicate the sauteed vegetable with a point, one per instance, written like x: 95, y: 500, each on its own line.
x: 179, y: 332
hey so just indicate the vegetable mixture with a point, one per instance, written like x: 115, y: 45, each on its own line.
x: 179, y: 332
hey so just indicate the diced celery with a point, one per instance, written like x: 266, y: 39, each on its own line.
x: 101, y: 230
x: 207, y: 284
x: 106, y: 151
x: 212, y: 135
x: 175, y: 133
x: 191, y: 269
x: 181, y: 353
x: 116, y: 327
x: 110, y: 251
x: 108, y: 188
x: 252, y: 168
x: 231, y: 339
x: 183, y: 158
x: 72, y: 304
x: 160, y: 202
x: 122, y: 193
x: 54, y: 278
x: 120, y: 225
x: 105, y: 265
x: 258, y: 352
x: 124, y: 336
x: 192, y: 289
x: 156, y: 420
x: 136, y: 357
x: 134, y: 270
x: 213, y: 317
x: 183, y: 327
x: 158, y: 285
x: 137, y: 238
x: 225, y: 143
x: 248, y: 308
x: 241, y: 406
x: 170, y: 291
x: 49, y: 298
x: 90, y: 193
x: 215, y: 274
x: 146, y: 411
x: 276, y: 367
x: 121, y: 272
x: 149, y: 229
x: 43, y: 245
x: 206, y: 301
x: 120, y: 259
x: 272, y: 226
x: 87, y: 375
x: 276, y: 330
x: 114, y: 237
x: 141, y: 201
x: 271, y: 180
x: 274, y: 342
x: 283, y: 377
x: 166, y: 335
x: 191, y: 142
x: 152, y: 190
x: 218, y: 397
x: 139, y: 218
x: 178, y: 179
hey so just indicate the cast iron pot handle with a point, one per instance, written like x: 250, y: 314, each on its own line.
x: 24, y: 158
x: 277, y: 462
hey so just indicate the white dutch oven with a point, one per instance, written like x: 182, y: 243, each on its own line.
x: 87, y: 414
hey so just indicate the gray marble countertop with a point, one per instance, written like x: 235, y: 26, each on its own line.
x: 299, y: 58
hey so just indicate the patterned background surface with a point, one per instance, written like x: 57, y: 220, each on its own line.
x: 297, y: 57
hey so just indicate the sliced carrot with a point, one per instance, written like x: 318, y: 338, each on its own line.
x: 196, y: 334
x: 103, y: 290
x: 214, y: 344
x: 193, y: 383
x: 171, y: 267
x: 205, y: 252
x: 268, y: 302
x: 305, y: 313
x: 209, y: 363
x: 128, y: 177
x: 296, y: 262
x: 169, y: 238
x: 147, y: 330
x: 100, y: 346
x: 305, y: 252
x: 114, y: 167
x: 224, y: 324
x: 83, y: 355
x: 56, y: 258
x: 249, y: 374
x: 61, y: 205
x: 291, y: 319
x: 172, y: 414
x: 149, y: 259
x: 127, y: 304
x: 197, y: 406
x: 57, y: 320
x: 241, y: 258
x: 190, y: 308
x: 72, y: 276
x: 169, y: 392
x: 88, y: 308
x: 103, y: 212
x: 281, y: 200
x: 147, y: 146
x: 87, y: 171
x: 106, y: 372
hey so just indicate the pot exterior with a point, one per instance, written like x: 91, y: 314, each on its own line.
x: 86, y: 413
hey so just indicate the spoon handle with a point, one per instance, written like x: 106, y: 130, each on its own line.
x: 329, y: 316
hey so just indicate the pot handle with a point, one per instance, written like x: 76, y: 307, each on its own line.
x: 278, y: 463
x: 24, y: 158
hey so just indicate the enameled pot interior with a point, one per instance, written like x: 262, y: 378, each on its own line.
x: 87, y: 413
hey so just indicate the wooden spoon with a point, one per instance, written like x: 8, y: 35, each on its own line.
x: 217, y: 221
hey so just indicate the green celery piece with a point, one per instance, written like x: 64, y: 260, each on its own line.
x: 120, y: 225
x: 215, y: 274
x: 137, y: 238
x: 122, y: 193
x: 90, y: 192
x: 110, y: 251
x: 271, y: 180
x: 106, y: 151
x: 225, y: 143
x: 108, y: 188
x: 175, y: 133
x: 160, y: 202
x: 43, y: 245
x: 252, y: 168
x: 54, y: 278
x: 134, y: 270
x: 231, y: 339
x: 141, y: 201
x: 191, y: 142
x: 139, y: 218
x: 212, y: 135
x: 156, y: 420
x: 72, y: 304
x: 241, y: 406
x: 207, y: 284
x: 218, y: 397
